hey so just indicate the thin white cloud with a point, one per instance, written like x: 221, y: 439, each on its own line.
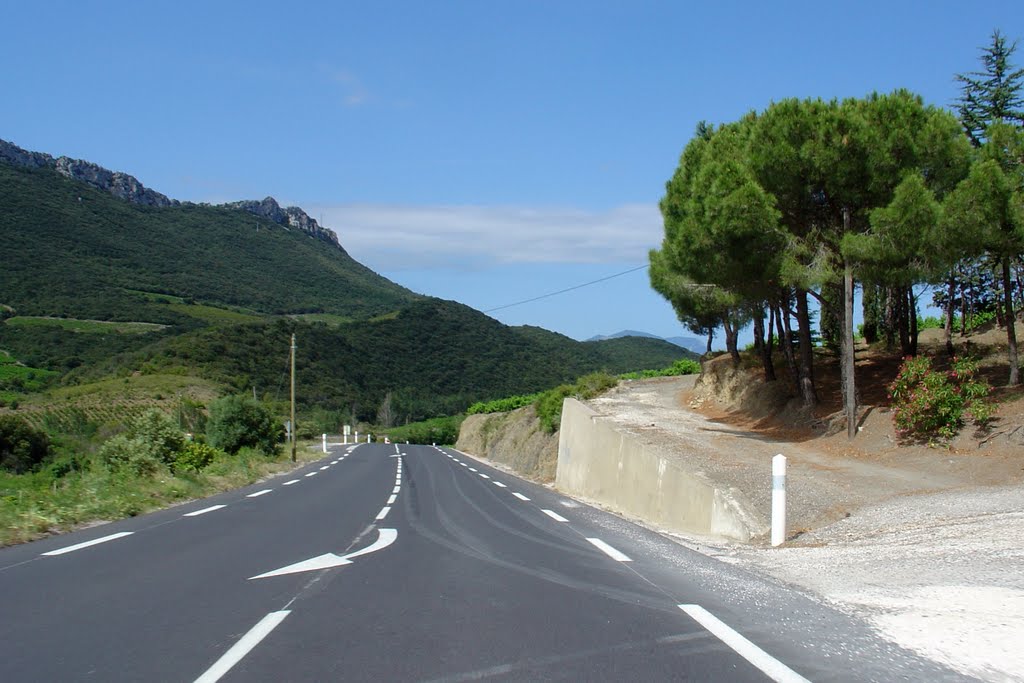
x: 444, y: 236
x: 354, y: 93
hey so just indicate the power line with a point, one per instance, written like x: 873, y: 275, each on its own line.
x: 563, y: 291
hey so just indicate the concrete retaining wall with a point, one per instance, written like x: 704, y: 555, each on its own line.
x: 612, y: 467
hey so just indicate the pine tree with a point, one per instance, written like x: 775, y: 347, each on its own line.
x: 993, y: 95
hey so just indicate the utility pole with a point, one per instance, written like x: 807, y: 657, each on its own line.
x: 848, y: 345
x: 293, y: 397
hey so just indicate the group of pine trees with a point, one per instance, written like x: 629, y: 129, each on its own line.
x: 810, y: 198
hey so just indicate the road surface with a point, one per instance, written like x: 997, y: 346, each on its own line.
x: 409, y: 563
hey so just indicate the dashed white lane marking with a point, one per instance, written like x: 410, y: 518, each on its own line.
x: 312, y: 474
x: 334, y: 462
x: 464, y: 464
x: 519, y: 496
x: 392, y: 499
x: 558, y: 518
x: 325, y: 467
x: 396, y: 489
x: 240, y: 649
x: 773, y: 668
x: 472, y: 469
x: 484, y: 475
x: 609, y: 551
x: 289, y: 483
x: 196, y: 513
x: 498, y: 483
x: 259, y: 493
x: 383, y: 512
x: 86, y: 544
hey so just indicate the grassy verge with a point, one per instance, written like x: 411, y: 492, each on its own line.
x: 48, y: 501
x: 85, y: 326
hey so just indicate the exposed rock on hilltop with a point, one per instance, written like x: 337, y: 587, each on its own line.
x: 121, y: 185
x: 291, y: 216
x: 128, y: 188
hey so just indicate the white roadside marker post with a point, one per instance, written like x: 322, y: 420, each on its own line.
x: 325, y: 443
x: 778, y: 499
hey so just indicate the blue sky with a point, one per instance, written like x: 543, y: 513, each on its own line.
x: 486, y: 152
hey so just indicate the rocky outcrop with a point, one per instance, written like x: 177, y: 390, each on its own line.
x: 291, y: 216
x: 128, y: 188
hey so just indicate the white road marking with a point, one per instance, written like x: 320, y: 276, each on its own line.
x: 196, y: 513
x: 86, y: 544
x: 325, y: 467
x: 609, y: 551
x: 396, y: 489
x: 472, y: 469
x: 259, y: 493
x: 484, y: 475
x: 557, y: 517
x: 240, y: 649
x: 519, y: 496
x: 334, y: 462
x: 385, y: 537
x: 773, y: 668
x: 392, y: 499
x: 498, y: 483
x: 312, y: 474
x: 289, y: 483
x: 383, y: 512
x: 464, y: 464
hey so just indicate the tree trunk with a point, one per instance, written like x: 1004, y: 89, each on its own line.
x: 711, y: 335
x: 902, y: 321
x: 948, y: 328
x: 766, y: 358
x: 847, y: 348
x: 963, y: 310
x: 1011, y: 332
x: 786, y: 339
x: 806, y: 358
x: 759, y: 333
x: 891, y: 318
x: 912, y: 318
x: 731, y: 334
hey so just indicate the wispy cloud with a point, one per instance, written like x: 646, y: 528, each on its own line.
x: 354, y: 93
x: 468, y: 236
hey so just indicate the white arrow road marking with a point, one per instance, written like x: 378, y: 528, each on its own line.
x: 385, y: 538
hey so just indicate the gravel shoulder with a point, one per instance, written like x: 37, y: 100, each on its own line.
x: 921, y: 543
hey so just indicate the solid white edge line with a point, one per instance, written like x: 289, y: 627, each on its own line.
x: 259, y: 493
x: 773, y: 668
x: 383, y: 512
x: 519, y: 496
x: 86, y: 544
x: 555, y: 516
x: 609, y: 551
x: 289, y: 483
x: 196, y: 513
x: 240, y: 649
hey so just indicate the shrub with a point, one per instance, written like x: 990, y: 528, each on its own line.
x: 161, y: 433
x: 928, y: 403
x: 125, y: 454
x: 238, y: 421
x: 22, y: 448
x: 195, y: 457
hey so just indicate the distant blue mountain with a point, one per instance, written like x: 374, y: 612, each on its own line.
x: 694, y: 344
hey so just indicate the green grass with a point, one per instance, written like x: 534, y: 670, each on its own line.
x: 86, y: 326
x: 213, y: 315
x: 36, y: 504
x: 326, y: 318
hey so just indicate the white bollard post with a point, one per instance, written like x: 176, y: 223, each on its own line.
x: 325, y: 443
x: 367, y: 438
x: 778, y: 499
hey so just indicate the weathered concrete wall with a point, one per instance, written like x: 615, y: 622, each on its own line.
x: 599, y: 462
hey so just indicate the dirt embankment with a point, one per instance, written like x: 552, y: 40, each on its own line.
x: 514, y: 439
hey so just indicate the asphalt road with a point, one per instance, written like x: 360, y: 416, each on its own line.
x: 410, y: 563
